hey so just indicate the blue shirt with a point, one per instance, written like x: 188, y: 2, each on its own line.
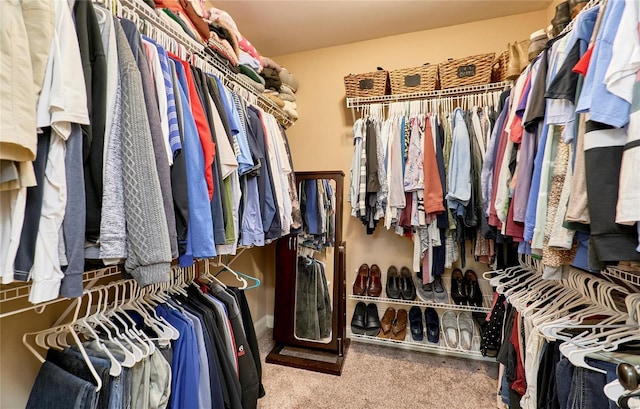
x: 459, y: 184
x: 267, y: 199
x: 604, y: 106
x: 311, y: 215
x: 532, y: 204
x: 200, y: 233
x: 174, y: 130
x: 185, y: 366
x: 245, y: 163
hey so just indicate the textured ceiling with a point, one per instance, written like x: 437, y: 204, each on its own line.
x: 290, y: 26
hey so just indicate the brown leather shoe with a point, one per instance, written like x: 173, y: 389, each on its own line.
x: 375, y: 281
x: 362, y: 280
x: 387, y: 319
x: 399, y: 327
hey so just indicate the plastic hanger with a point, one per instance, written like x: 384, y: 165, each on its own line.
x: 102, y: 306
x: 115, y: 368
x: 129, y: 330
x: 83, y: 352
x: 94, y: 319
x: 165, y: 334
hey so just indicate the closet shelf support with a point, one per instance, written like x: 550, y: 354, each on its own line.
x: 424, y: 346
x: 420, y: 303
x: 387, y: 99
x: 20, y: 292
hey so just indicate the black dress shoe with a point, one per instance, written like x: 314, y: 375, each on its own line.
x: 458, y: 290
x: 393, y: 283
x: 407, y: 286
x: 415, y: 322
x: 474, y: 295
x: 372, y: 326
x: 358, y: 325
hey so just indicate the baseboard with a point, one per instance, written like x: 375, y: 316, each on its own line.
x: 263, y: 324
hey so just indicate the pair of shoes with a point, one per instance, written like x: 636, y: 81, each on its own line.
x: 368, y: 281
x: 435, y: 290
x: 394, y: 324
x: 365, y: 320
x: 431, y: 321
x: 518, y: 58
x: 458, y: 330
x: 465, y: 290
x: 400, y: 285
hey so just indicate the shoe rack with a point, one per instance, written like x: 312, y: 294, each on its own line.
x: 408, y: 343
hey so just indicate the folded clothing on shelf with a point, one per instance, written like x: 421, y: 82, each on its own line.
x: 256, y: 85
x: 268, y: 62
x: 271, y: 78
x: 251, y: 73
x: 288, y: 79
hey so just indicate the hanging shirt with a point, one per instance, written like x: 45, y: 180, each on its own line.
x: 200, y: 221
x: 56, y: 109
x: 185, y: 365
x: 459, y: 180
x: 204, y: 133
x: 595, y: 98
x: 161, y: 92
x: 355, y: 172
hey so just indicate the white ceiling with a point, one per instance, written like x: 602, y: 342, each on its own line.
x: 289, y: 26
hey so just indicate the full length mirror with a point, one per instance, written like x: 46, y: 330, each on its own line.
x: 315, y: 267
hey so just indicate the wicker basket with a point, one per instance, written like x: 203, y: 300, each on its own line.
x: 418, y: 79
x: 499, y: 69
x: 371, y: 84
x: 472, y: 70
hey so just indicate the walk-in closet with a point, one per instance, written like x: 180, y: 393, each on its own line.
x: 259, y: 204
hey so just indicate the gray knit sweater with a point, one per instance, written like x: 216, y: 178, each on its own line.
x: 113, y: 233
x: 149, y: 256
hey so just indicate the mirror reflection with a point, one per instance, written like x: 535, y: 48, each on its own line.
x: 314, y: 290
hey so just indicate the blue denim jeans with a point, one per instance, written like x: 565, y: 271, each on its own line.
x: 73, y: 362
x: 587, y: 387
x: 504, y: 389
x: 56, y: 388
x: 564, y: 381
x: 610, y: 376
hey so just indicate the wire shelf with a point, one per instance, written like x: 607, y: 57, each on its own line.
x: 440, y: 348
x: 358, y: 102
x: 420, y: 303
x: 20, y: 291
x: 629, y: 277
x: 197, y: 48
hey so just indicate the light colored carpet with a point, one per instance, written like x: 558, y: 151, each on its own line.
x: 379, y: 377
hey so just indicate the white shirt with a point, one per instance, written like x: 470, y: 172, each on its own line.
x: 62, y: 101
x: 625, y: 58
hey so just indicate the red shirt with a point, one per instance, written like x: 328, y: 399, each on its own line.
x: 208, y: 146
x: 583, y: 64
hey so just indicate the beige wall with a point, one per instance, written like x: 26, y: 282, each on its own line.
x: 322, y: 138
x: 18, y: 367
